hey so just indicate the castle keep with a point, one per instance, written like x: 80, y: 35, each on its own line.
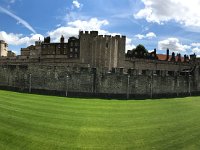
x: 88, y: 50
x: 96, y: 65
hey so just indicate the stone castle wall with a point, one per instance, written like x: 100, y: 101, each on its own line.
x: 3, y: 48
x: 102, y: 51
x: 90, y: 82
x: 69, y: 69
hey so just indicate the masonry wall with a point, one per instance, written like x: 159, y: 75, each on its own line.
x: 156, y: 65
x: 102, y: 51
x: 90, y: 82
x: 3, y: 48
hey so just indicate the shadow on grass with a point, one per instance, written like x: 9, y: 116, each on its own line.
x: 103, y: 96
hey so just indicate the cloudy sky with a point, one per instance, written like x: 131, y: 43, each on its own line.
x: 161, y: 24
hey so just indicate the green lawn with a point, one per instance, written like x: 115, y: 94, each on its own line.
x: 29, y: 121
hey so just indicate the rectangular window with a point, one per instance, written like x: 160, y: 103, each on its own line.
x: 71, y: 49
x: 106, y: 45
x: 76, y: 50
x: 76, y: 44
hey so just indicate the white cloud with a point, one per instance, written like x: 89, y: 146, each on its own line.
x: 182, y: 11
x: 129, y: 44
x: 19, y: 39
x: 149, y: 35
x: 140, y: 36
x: 74, y: 27
x: 173, y: 44
x: 72, y: 13
x: 195, y: 44
x: 58, y: 25
x: 66, y: 31
x: 76, y: 4
x: 20, y: 20
x: 93, y: 24
x: 196, y: 50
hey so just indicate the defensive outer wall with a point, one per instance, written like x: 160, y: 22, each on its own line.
x: 89, y: 82
x: 91, y: 66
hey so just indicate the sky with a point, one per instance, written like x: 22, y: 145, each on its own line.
x: 160, y: 24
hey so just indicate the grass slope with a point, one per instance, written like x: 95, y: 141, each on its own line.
x: 33, y: 122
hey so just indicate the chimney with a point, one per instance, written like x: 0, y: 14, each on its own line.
x: 185, y: 58
x: 179, y: 57
x: 62, y: 39
x: 173, y: 57
x: 167, y: 58
x: 154, y: 51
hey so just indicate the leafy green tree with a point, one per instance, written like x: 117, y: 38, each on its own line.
x: 140, y: 51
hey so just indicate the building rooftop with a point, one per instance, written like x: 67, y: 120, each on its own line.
x: 164, y: 57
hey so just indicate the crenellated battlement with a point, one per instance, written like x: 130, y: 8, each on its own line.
x: 96, y: 64
x: 92, y: 81
x: 95, y: 34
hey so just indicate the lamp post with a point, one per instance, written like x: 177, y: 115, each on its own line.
x: 189, y: 86
x: 177, y: 90
x: 30, y: 80
x: 66, y: 93
x: 128, y: 84
x: 151, y: 85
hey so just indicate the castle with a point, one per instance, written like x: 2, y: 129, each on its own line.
x: 96, y: 65
x: 88, y: 50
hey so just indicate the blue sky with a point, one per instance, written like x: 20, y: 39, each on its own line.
x: 155, y: 24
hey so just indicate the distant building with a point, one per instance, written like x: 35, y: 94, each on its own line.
x: 11, y: 54
x: 71, y: 49
x: 89, y: 49
x: 3, y: 48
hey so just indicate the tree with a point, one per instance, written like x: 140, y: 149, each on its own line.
x: 140, y: 51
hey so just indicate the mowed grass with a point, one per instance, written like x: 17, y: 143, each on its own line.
x: 35, y: 122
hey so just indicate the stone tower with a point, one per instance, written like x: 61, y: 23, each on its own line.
x: 3, y: 48
x: 102, y: 51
